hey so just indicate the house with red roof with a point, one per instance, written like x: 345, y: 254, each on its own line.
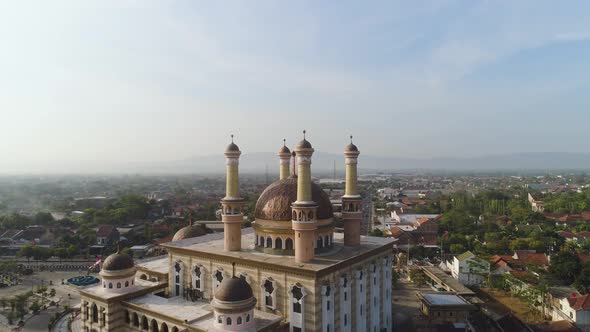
x: 574, y: 308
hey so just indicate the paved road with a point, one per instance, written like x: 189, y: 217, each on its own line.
x: 40, y: 321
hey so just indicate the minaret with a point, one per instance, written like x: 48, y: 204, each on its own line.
x: 351, y: 201
x: 304, y: 209
x: 232, y: 205
x: 285, y: 158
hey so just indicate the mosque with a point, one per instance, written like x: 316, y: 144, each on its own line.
x: 288, y: 272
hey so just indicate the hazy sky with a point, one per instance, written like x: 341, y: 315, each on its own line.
x: 96, y: 82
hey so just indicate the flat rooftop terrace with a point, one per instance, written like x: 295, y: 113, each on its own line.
x: 212, y: 244
x: 198, y: 314
x: 448, y: 282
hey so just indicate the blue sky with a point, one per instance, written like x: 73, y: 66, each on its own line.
x: 99, y: 82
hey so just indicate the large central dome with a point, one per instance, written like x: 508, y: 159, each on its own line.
x: 275, y: 201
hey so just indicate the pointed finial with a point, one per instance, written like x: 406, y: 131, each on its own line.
x: 233, y: 267
x: 304, y: 131
x: 118, y: 247
x: 350, y: 139
x: 284, y: 142
x: 232, y: 137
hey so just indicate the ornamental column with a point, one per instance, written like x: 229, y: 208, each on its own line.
x: 304, y: 220
x: 284, y: 161
x: 232, y: 205
x: 351, y: 201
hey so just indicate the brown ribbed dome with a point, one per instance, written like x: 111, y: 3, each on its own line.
x: 232, y: 147
x: 284, y: 149
x: 304, y: 144
x: 234, y: 289
x: 118, y: 262
x: 351, y: 148
x: 188, y: 232
x: 275, y: 201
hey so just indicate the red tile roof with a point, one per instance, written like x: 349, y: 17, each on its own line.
x: 533, y: 258
x: 580, y: 302
x: 104, y: 230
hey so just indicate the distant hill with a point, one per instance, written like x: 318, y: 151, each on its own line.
x: 257, y: 162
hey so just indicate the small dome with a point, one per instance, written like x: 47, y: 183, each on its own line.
x: 234, y: 289
x: 304, y: 144
x: 351, y: 148
x: 275, y: 201
x: 285, y: 149
x: 232, y: 147
x: 118, y: 262
x: 188, y: 232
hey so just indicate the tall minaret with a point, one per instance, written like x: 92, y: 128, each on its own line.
x: 232, y: 205
x: 351, y: 201
x: 304, y: 209
x: 284, y: 157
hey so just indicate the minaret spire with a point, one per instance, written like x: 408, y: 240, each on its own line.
x: 304, y: 209
x: 284, y: 158
x: 351, y: 201
x: 232, y: 204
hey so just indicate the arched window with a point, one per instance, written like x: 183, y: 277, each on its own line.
x: 155, y: 326
x: 219, y: 319
x: 278, y: 243
x: 127, y: 283
x: 228, y: 321
x: 239, y: 320
x: 269, y: 242
x: 118, y: 285
x: 143, y: 277
x: 294, y: 215
x: 197, y: 277
x: 261, y: 242
x: 110, y: 285
x: 177, y: 278
x: 297, y: 293
x: 95, y: 313
x: 326, y: 240
x: 127, y: 317
x: 135, y: 319
x: 144, y: 323
x: 247, y: 318
x: 268, y: 287
x: 289, y: 244
x: 164, y: 327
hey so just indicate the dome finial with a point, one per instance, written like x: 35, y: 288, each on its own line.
x: 232, y: 137
x: 350, y: 139
x: 304, y: 132
x: 284, y: 142
x: 233, y: 269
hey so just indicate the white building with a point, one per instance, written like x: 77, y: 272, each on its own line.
x: 469, y: 270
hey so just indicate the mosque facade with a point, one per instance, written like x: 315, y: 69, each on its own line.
x: 290, y: 271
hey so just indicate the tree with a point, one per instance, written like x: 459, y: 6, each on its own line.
x: 457, y: 248
x: 52, y: 292
x: 582, y: 282
x: 35, y: 307
x: 418, y: 277
x: 565, y: 266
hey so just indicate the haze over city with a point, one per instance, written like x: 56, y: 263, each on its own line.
x: 91, y: 86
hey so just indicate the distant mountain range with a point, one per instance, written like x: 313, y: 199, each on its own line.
x: 324, y: 162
